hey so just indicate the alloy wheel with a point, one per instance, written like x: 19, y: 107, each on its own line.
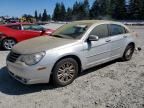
x: 8, y: 43
x: 66, y: 72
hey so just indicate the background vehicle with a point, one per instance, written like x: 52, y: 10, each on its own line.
x: 72, y: 48
x: 11, y: 34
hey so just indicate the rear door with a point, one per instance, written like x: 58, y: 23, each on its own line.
x: 118, y: 36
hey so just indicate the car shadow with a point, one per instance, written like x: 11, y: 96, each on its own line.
x: 1, y: 49
x: 95, y: 68
x: 10, y: 86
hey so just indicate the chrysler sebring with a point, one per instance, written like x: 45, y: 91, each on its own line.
x: 71, y: 49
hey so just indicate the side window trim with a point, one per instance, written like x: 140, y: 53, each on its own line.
x: 21, y: 28
x: 110, y: 31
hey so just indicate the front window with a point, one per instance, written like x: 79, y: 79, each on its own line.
x: 101, y: 31
x: 71, y: 31
x: 16, y: 27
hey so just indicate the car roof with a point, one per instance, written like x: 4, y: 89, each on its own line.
x: 94, y: 21
x: 88, y: 23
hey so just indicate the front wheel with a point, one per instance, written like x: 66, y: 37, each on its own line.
x: 64, y: 72
x: 7, y: 44
x: 128, y: 52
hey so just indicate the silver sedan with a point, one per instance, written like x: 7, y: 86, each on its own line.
x: 71, y: 49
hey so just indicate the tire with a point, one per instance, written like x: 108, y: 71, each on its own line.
x: 128, y: 52
x: 8, y: 43
x: 64, y: 72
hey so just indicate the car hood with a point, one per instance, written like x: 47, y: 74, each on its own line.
x: 39, y: 44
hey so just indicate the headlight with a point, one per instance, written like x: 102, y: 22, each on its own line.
x: 33, y: 58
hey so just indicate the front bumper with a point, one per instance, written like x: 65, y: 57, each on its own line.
x: 28, y: 75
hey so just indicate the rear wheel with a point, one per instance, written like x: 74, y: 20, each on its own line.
x: 64, y: 72
x: 128, y: 52
x: 8, y: 43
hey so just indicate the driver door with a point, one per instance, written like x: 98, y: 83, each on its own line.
x: 97, y: 52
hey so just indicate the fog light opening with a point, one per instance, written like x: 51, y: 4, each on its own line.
x: 41, y: 68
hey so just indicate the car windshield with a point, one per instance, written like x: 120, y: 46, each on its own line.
x: 71, y: 31
x: 33, y: 27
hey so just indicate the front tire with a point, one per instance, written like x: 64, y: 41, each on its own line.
x: 65, y: 71
x: 128, y: 52
x: 8, y: 43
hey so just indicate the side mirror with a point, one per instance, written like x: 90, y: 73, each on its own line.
x: 93, y: 38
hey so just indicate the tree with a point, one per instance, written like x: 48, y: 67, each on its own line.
x: 62, y: 12
x: 49, y: 17
x: 68, y: 14
x: 136, y: 8
x: 142, y: 10
x: 100, y: 9
x: 77, y: 11
x: 40, y: 17
x: 56, y: 14
x: 45, y: 16
x: 36, y: 15
x: 120, y: 12
x: 94, y: 11
x: 59, y: 12
x: 86, y: 9
x: 103, y: 6
x: 111, y: 8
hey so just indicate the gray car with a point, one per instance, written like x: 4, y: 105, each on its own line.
x: 71, y: 49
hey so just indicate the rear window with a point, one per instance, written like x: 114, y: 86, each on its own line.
x: 117, y: 29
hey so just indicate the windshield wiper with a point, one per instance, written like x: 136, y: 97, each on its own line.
x: 59, y: 36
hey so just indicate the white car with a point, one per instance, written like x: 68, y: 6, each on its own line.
x: 71, y: 49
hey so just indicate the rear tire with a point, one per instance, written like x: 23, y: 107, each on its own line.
x: 64, y: 72
x: 128, y: 52
x: 8, y: 43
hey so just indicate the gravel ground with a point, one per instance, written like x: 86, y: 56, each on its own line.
x: 113, y: 85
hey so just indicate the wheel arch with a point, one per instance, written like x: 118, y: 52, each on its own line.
x: 70, y: 56
x: 10, y: 38
x: 131, y: 43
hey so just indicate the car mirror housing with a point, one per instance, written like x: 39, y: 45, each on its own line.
x: 93, y: 38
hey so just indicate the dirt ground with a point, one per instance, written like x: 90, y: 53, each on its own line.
x: 113, y: 85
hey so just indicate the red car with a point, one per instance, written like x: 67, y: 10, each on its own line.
x: 11, y: 34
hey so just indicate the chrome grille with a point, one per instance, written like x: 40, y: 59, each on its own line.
x: 12, y: 57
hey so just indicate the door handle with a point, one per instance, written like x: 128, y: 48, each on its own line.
x: 108, y: 40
